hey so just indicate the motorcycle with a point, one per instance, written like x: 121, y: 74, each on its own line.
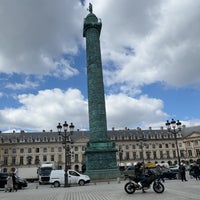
x: 151, y: 179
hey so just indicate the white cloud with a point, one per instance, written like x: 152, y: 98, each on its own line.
x: 64, y: 69
x: 124, y: 111
x: 150, y: 41
x: 35, y: 34
x: 22, y: 86
x: 45, y: 109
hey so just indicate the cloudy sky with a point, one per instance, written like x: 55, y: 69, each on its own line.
x: 150, y: 55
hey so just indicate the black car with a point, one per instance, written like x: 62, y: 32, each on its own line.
x: 20, y: 183
x: 169, y: 174
x: 3, y: 179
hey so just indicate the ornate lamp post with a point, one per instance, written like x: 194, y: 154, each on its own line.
x: 142, y: 148
x: 175, y: 127
x: 142, y: 144
x: 148, y: 153
x: 66, y: 140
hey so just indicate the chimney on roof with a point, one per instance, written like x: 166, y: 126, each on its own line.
x: 126, y: 128
x: 150, y: 128
x: 138, y: 128
x: 51, y: 131
x: 43, y: 131
x: 22, y: 131
x: 183, y: 126
x: 78, y: 130
x: 13, y: 131
x: 161, y: 128
x: 113, y: 128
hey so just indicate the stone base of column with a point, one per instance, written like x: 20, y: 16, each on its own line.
x: 105, y: 174
x: 101, y: 160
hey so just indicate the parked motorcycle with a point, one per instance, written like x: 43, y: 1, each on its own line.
x: 151, y: 179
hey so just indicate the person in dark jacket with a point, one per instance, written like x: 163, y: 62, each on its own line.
x: 182, y: 172
x: 14, y: 182
x: 196, y: 170
x: 140, y: 174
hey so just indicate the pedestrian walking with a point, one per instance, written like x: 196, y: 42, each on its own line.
x: 182, y: 171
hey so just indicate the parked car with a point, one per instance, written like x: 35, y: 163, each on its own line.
x: 175, y: 169
x: 169, y: 174
x: 57, y: 178
x: 20, y: 182
x: 3, y: 179
x: 130, y: 170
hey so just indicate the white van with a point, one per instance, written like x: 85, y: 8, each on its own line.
x: 57, y: 178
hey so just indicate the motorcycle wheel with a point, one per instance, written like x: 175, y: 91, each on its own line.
x: 129, y: 188
x: 158, y: 187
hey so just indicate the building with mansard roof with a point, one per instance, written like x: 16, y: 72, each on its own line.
x: 133, y: 145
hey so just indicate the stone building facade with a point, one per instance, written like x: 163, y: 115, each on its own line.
x: 31, y: 149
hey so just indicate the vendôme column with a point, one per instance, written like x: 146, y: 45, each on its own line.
x: 100, y: 151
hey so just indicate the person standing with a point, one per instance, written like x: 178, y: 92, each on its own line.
x: 9, y: 183
x: 196, y: 170
x: 182, y: 172
x: 15, y: 187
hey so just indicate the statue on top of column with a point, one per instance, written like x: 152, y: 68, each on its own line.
x: 90, y: 8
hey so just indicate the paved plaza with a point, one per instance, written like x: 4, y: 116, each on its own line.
x: 113, y: 190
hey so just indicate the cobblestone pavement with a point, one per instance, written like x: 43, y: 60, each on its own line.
x: 174, y: 189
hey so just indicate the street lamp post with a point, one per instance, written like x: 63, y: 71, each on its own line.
x: 175, y: 127
x: 66, y: 139
x: 148, y: 155
x: 142, y: 144
x: 142, y: 147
